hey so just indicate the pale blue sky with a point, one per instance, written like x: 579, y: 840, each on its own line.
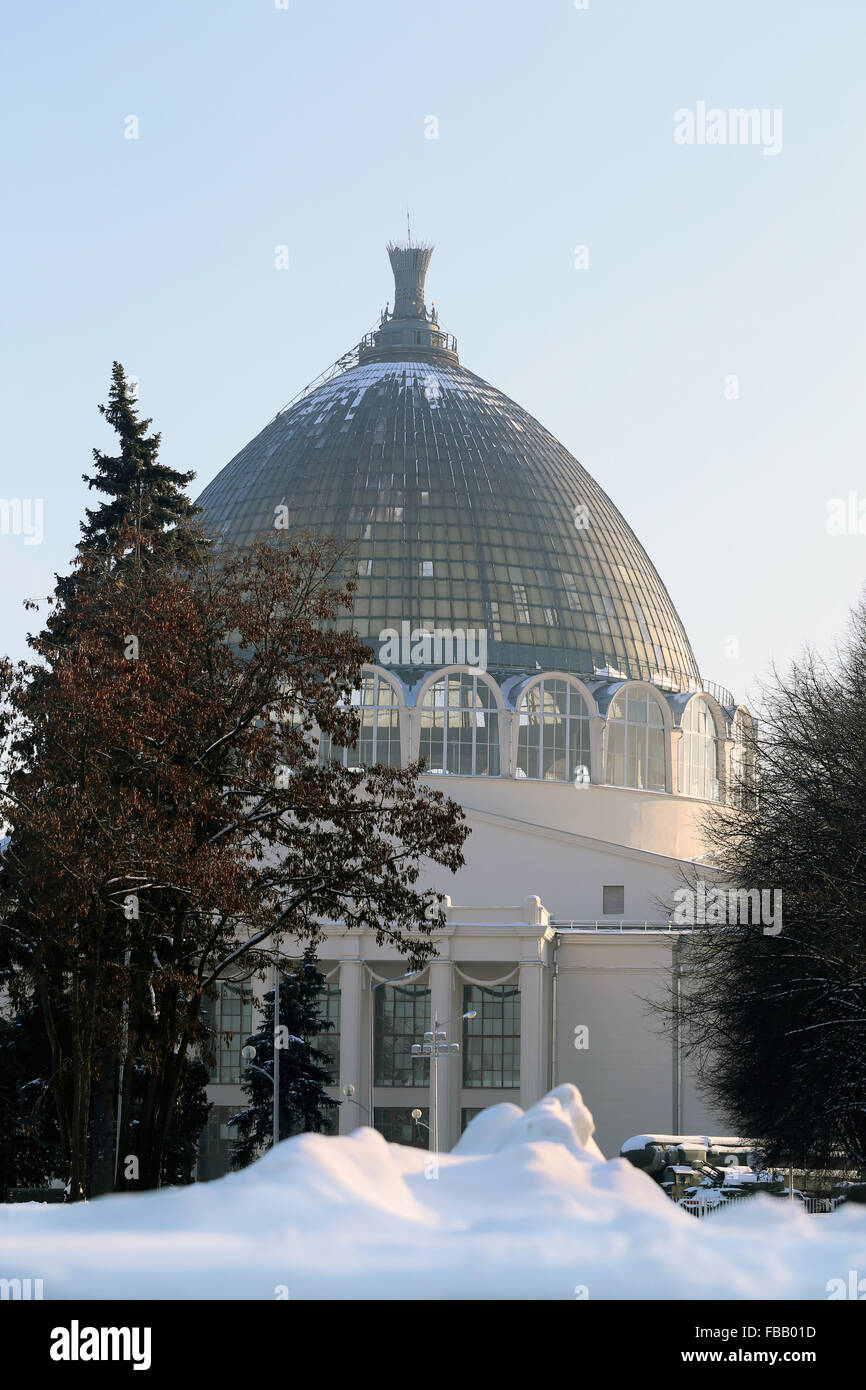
x: 306, y: 127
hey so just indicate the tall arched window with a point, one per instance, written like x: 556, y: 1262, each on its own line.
x: 742, y: 788
x: 379, y: 734
x: 636, y: 742
x: 553, y: 733
x: 699, y: 752
x: 460, y: 726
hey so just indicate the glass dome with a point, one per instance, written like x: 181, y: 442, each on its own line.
x: 465, y: 512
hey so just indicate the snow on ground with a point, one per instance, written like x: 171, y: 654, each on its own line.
x: 524, y: 1207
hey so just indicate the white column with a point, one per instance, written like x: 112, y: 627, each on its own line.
x: 726, y: 748
x: 412, y: 733
x: 352, y: 1053
x: 441, y: 995
x: 507, y: 761
x: 597, y: 750
x: 408, y: 742
x: 672, y: 759
x: 532, y: 1050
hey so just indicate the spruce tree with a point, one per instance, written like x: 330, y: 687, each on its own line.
x: 305, y: 1070
x: 144, y: 522
x: 140, y: 492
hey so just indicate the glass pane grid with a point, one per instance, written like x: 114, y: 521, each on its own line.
x: 491, y: 1040
x: 402, y: 1017
x: 470, y: 486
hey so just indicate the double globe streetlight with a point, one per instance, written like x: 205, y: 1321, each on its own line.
x: 349, y: 1091
x: 434, y: 1046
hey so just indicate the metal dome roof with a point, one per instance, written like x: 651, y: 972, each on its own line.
x: 466, y: 512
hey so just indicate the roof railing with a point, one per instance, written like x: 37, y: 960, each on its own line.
x: 720, y: 693
x: 446, y: 341
x: 680, y: 682
x: 622, y: 925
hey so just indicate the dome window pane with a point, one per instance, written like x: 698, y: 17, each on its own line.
x: 553, y: 733
x: 742, y: 788
x: 379, y: 733
x: 699, y: 753
x: 636, y: 742
x: 460, y: 727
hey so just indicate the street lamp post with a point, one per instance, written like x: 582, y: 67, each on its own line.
x: 416, y: 1120
x: 349, y: 1093
x: 276, y: 1044
x: 436, y: 1044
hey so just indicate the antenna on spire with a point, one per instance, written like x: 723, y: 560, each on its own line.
x: 408, y: 227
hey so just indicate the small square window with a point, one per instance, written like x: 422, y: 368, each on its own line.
x: 426, y: 569
x: 613, y: 899
x: 521, y: 607
x: 571, y: 594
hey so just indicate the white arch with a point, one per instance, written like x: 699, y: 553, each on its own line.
x: 653, y: 690
x: 371, y: 669
x: 539, y: 676
x: 460, y: 670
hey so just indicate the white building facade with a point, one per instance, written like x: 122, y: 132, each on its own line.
x: 580, y: 739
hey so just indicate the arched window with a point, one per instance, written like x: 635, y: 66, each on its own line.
x: 636, y: 742
x: 742, y: 788
x: 699, y: 752
x: 460, y: 727
x: 553, y: 733
x: 379, y: 734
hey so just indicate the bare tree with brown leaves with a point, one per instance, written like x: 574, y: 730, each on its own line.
x: 776, y: 1020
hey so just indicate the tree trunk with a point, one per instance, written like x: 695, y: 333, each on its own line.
x: 103, y: 1122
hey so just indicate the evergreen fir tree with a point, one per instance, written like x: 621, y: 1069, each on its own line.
x: 140, y: 522
x: 305, y: 1070
x: 140, y: 491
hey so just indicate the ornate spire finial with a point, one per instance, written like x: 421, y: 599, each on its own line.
x: 409, y: 327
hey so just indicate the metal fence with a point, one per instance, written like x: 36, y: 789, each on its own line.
x: 702, y: 1205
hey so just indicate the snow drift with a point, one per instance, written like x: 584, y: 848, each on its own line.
x: 524, y: 1207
